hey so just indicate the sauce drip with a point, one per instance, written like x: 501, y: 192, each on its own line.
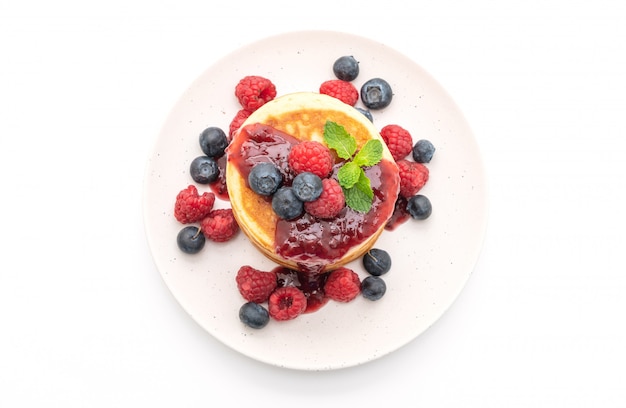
x: 311, y: 285
x: 400, y: 214
x: 218, y: 187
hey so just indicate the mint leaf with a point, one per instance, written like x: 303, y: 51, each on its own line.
x: 349, y: 174
x: 355, y: 184
x: 370, y: 154
x: 337, y: 138
x: 364, y: 185
x: 360, y: 196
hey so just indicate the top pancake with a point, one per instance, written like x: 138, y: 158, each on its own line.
x: 303, y: 116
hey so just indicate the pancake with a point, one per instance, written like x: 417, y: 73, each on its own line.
x: 307, y: 244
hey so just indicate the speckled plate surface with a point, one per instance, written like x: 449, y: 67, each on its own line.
x: 432, y: 259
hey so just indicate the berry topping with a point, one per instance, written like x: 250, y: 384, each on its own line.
x: 254, y: 91
x: 419, y: 207
x: 346, y: 68
x: 204, y: 170
x: 192, y: 207
x: 373, y: 288
x: 255, y: 285
x: 423, y: 151
x: 376, y: 93
x: 237, y: 121
x: 265, y: 178
x: 254, y: 315
x: 190, y: 240
x: 307, y: 186
x: 213, y: 142
x: 333, y: 180
x: 311, y: 156
x: 342, y: 285
x: 398, y: 140
x: 220, y: 225
x: 377, y: 262
x: 287, y: 303
x: 342, y: 90
x: 330, y: 202
x: 413, y: 176
x: 286, y: 204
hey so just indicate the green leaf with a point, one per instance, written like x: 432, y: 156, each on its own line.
x: 337, y: 138
x: 352, y: 178
x: 360, y: 196
x: 349, y: 174
x: 370, y: 154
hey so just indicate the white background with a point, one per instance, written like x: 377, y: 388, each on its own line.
x: 85, y: 318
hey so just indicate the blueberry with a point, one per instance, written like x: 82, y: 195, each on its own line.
x: 204, y: 170
x: 265, y: 178
x: 254, y: 315
x: 286, y: 204
x: 423, y: 151
x: 419, y: 207
x: 346, y: 68
x: 213, y: 142
x: 377, y: 262
x: 373, y: 287
x: 190, y: 240
x: 307, y: 186
x: 365, y: 112
x: 376, y: 93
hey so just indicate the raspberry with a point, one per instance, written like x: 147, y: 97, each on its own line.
x: 287, y: 303
x: 192, y: 207
x: 342, y: 285
x: 342, y: 90
x: 237, y: 121
x: 329, y: 203
x: 219, y: 225
x: 254, y: 91
x: 255, y: 285
x: 398, y: 140
x: 413, y: 176
x: 311, y: 156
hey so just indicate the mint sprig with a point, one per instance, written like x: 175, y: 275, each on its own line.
x: 355, y: 184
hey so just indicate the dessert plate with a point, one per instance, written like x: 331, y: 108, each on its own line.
x: 431, y: 259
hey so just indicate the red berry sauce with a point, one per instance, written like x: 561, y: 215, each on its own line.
x: 218, y: 187
x: 309, y: 241
x: 263, y: 143
x: 311, y: 286
x: 400, y: 214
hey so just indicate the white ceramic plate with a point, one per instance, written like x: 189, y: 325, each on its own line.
x: 432, y: 259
